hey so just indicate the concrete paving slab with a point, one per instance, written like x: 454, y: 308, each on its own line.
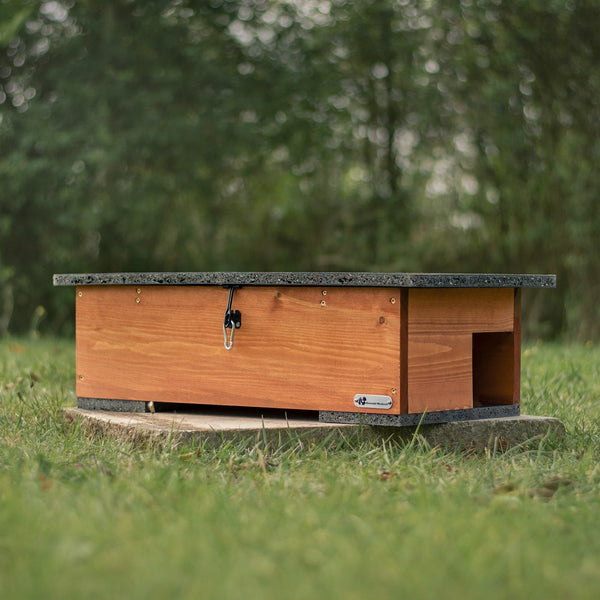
x: 214, y: 426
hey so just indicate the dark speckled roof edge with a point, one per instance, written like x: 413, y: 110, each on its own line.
x: 332, y: 279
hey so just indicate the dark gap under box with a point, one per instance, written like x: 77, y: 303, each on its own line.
x: 377, y: 348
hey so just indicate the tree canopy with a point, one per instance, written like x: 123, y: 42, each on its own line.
x: 393, y: 135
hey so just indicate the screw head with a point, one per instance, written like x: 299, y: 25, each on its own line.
x: 139, y: 291
x: 394, y: 390
x: 137, y: 300
x: 323, y: 303
x: 80, y: 294
x: 324, y: 292
x: 393, y: 300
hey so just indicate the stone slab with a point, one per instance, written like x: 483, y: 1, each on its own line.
x: 337, y: 279
x: 215, y: 426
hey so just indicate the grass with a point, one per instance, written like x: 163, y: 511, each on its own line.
x: 96, y: 517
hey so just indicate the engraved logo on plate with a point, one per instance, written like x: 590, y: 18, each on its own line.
x: 372, y: 401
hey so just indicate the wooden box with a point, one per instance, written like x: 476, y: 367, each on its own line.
x: 384, y: 348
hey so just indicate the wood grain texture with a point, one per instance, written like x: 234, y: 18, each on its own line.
x: 460, y: 310
x: 292, y: 351
x: 440, y: 375
x: 517, y: 349
x: 441, y: 325
x: 403, y: 351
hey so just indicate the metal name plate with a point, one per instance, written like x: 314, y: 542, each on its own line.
x: 372, y: 401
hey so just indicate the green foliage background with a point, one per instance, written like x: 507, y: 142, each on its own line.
x: 312, y: 135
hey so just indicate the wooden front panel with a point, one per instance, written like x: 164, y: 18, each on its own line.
x: 441, y: 325
x: 296, y: 348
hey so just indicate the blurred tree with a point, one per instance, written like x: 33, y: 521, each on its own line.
x: 521, y: 80
x: 263, y: 134
x: 128, y: 125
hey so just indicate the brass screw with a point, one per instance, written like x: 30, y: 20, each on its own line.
x: 324, y: 292
x: 80, y: 294
x: 393, y: 300
x: 139, y: 291
x: 323, y: 303
x: 138, y: 300
x: 81, y: 378
x: 393, y: 390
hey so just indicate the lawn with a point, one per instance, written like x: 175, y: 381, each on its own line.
x: 95, y: 517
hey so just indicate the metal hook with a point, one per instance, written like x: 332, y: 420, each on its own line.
x: 232, y: 320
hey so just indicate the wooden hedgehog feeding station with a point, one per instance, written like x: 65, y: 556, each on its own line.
x: 377, y: 348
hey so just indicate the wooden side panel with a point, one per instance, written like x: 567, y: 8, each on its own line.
x: 441, y: 324
x: 497, y: 363
x: 297, y: 348
x: 517, y: 349
x: 440, y: 374
x: 460, y: 310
